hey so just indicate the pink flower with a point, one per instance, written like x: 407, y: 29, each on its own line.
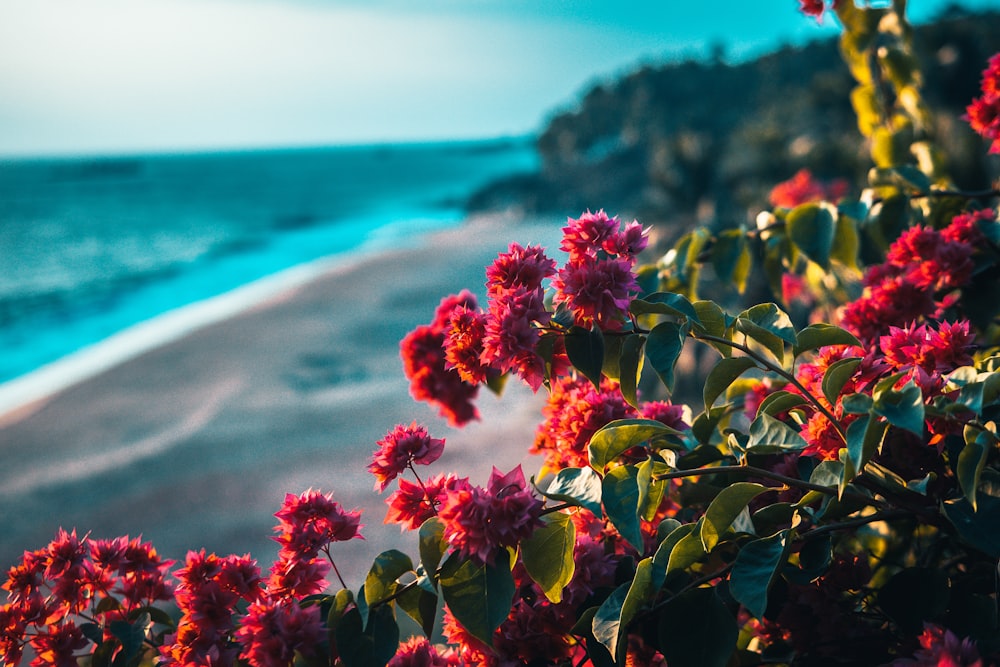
x: 297, y: 577
x: 463, y: 345
x: 511, y: 337
x: 57, y: 645
x: 940, y: 647
x: 597, y: 291
x: 418, y: 652
x: 274, y: 630
x: 574, y: 412
x: 479, y: 521
x: 983, y: 113
x: 412, y: 504
x: 311, y: 521
x: 582, y: 237
x: 425, y: 366
x: 519, y: 268
x: 803, y: 188
x: 627, y: 243
x: 401, y: 448
x: 447, y: 307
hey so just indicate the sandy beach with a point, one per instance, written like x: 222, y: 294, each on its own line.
x: 194, y: 444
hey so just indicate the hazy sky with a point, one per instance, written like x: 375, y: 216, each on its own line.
x: 112, y: 76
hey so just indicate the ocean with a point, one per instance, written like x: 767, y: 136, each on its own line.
x: 102, y: 258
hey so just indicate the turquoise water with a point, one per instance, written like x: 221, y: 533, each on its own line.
x: 91, y: 247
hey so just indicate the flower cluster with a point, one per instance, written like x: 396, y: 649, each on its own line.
x: 576, y: 409
x: 478, y: 521
x: 983, y: 113
x: 426, y: 366
x: 923, y: 268
x: 465, y: 346
x: 400, y: 449
x: 597, y: 283
x: 208, y: 590
x: 940, y: 646
x: 307, y: 525
x: 50, y: 590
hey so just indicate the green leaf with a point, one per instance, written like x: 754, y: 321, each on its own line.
x: 812, y: 229
x: 754, y: 571
x: 341, y: 601
x: 651, y: 490
x: 697, y: 630
x: 432, y: 545
x: 612, y: 356
x: 384, y: 632
x: 385, y: 570
x: 728, y: 257
x: 421, y: 606
x: 630, y: 368
x: 904, y: 408
x: 779, y: 402
x: 585, y: 349
x: 610, y: 441
x: 768, y: 325
x: 577, y: 486
x: 548, y: 555
x: 722, y: 375
x: 816, y: 336
x: 663, y: 347
x: 724, y: 509
x: 837, y: 375
x: 620, y: 491
x: 864, y: 438
x: 131, y: 636
x: 607, y: 623
x: 665, y: 303
x: 914, y: 596
x: 663, y: 552
x: 714, y: 322
x: 479, y: 596
x: 856, y: 404
x: 972, y: 460
x: 846, y: 242
x: 771, y: 436
x: 688, y: 550
x: 978, y: 527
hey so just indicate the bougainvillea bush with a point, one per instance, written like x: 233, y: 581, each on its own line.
x: 832, y: 496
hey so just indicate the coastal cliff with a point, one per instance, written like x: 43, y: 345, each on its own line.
x: 704, y: 142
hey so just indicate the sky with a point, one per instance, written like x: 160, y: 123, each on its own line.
x: 89, y: 77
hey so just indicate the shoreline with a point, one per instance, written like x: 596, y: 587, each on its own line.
x: 21, y: 395
x: 194, y: 443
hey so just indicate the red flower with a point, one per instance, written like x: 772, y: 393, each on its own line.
x: 418, y: 652
x: 582, y: 237
x: 273, y: 631
x: 401, y: 448
x: 463, y: 345
x: 803, y: 188
x: 597, y: 291
x: 479, y: 521
x: 519, y: 268
x: 940, y: 647
x: 412, y: 504
x: 983, y: 113
x: 56, y: 645
x: 510, y: 341
x: 311, y: 521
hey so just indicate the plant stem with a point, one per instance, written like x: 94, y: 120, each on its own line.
x: 773, y: 367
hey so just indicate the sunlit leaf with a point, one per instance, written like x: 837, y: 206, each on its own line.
x: 816, y: 336
x: 387, y: 567
x: 722, y: 375
x: 548, y: 555
x: 812, y: 229
x: 837, y: 375
x: 724, y: 509
x: 630, y: 368
x: 665, y: 303
x: 578, y: 486
x: 768, y: 325
x: 620, y: 492
x: 904, y: 408
x: 610, y: 441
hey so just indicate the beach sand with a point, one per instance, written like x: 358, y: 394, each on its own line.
x: 193, y: 445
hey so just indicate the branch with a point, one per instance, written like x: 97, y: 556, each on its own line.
x: 771, y: 366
